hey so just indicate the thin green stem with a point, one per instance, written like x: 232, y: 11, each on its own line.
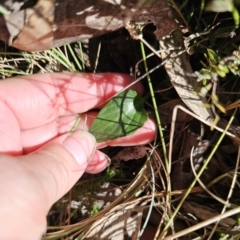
x: 76, y: 123
x: 60, y: 57
x: 81, y: 57
x: 155, y: 107
x: 202, y: 6
x: 74, y: 57
x: 168, y: 198
x: 197, y: 177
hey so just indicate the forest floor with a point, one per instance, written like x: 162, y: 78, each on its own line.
x: 142, y: 193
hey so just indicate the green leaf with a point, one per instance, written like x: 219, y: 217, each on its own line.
x: 225, y: 6
x: 213, y: 57
x: 3, y: 10
x: 220, y: 6
x: 122, y: 116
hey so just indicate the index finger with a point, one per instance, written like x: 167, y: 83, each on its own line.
x: 41, y: 98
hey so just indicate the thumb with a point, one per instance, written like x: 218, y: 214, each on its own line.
x: 67, y: 157
x: 62, y: 162
x: 30, y: 184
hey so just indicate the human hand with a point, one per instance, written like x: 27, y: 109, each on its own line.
x: 40, y: 160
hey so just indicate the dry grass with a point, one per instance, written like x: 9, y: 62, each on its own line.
x: 182, y: 203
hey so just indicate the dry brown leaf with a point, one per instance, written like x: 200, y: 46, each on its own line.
x: 130, y: 153
x: 75, y: 20
x: 182, y: 174
x: 32, y: 28
x: 165, y: 110
x: 122, y: 222
x: 202, y: 212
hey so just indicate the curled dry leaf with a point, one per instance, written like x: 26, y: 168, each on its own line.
x: 130, y: 153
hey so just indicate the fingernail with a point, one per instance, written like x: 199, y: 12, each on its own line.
x: 99, y: 162
x: 101, y: 158
x: 81, y: 145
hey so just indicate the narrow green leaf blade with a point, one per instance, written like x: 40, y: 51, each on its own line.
x: 122, y: 116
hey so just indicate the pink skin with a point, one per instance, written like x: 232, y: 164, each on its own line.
x: 40, y: 160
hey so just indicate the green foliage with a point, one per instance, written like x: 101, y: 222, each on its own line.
x: 220, y: 6
x: 224, y: 6
x: 122, y: 116
x: 95, y: 209
x: 219, y: 67
x: 3, y: 10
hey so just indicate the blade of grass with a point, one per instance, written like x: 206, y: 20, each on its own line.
x: 153, y: 196
x: 74, y: 57
x: 203, y: 224
x: 3, y: 10
x: 61, y: 58
x: 234, y: 180
x: 167, y: 164
x: 155, y: 108
x: 16, y: 72
x: 198, y: 176
x: 81, y: 57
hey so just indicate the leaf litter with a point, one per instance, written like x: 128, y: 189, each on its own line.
x: 128, y: 191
